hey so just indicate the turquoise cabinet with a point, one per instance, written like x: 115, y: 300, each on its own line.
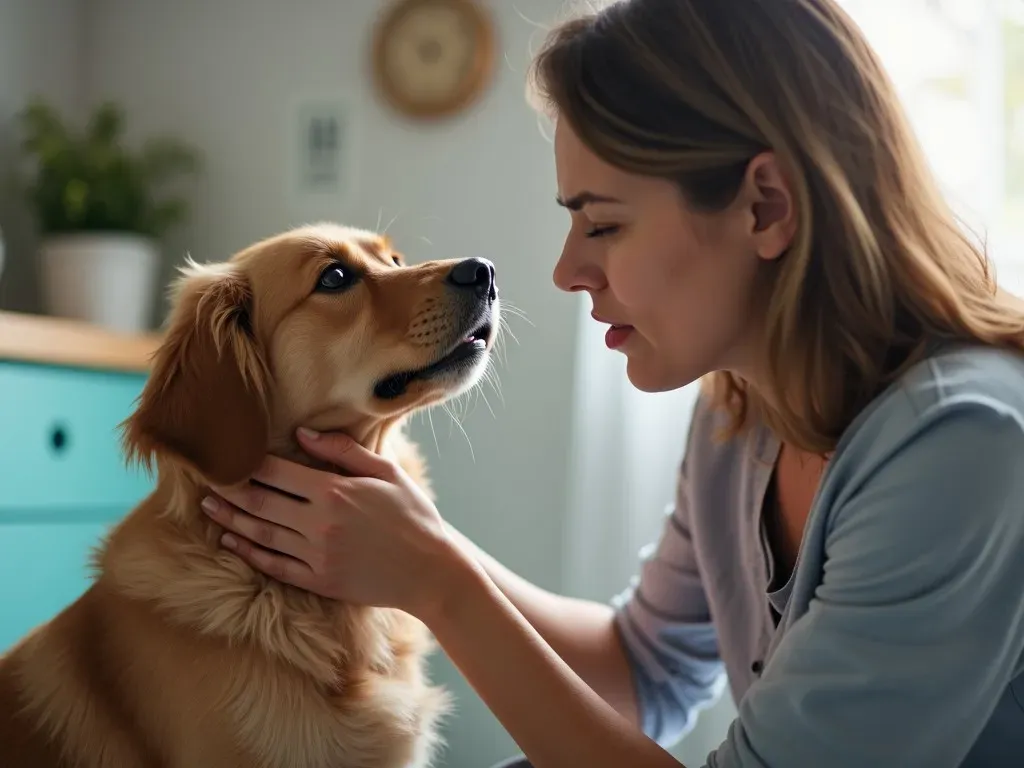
x: 63, y: 481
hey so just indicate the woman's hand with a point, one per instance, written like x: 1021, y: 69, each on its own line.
x: 372, y: 539
x: 375, y: 539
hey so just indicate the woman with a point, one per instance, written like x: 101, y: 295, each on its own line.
x: 748, y: 205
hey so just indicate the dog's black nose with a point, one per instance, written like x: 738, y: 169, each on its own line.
x: 476, y: 274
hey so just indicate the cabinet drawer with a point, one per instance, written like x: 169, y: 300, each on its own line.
x: 59, y: 444
x: 44, y: 565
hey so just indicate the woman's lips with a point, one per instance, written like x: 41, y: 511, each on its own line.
x: 617, y: 335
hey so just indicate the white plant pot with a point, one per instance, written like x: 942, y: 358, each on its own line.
x: 104, y: 278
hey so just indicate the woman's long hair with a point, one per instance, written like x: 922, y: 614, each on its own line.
x: 692, y: 90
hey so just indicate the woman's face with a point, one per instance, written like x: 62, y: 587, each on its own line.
x: 681, y: 291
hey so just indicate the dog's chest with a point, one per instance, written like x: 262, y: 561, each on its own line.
x: 370, y: 722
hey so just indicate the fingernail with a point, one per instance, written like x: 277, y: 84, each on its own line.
x: 210, y: 504
x: 229, y: 541
x: 309, y: 434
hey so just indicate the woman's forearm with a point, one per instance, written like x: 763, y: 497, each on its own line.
x: 554, y: 717
x: 582, y: 632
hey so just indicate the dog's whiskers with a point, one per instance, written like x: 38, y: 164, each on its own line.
x: 512, y: 309
x: 480, y: 394
x: 461, y: 405
x: 430, y: 420
x: 500, y: 348
x: 491, y: 377
x: 508, y: 309
x: 499, y: 345
x: 456, y: 422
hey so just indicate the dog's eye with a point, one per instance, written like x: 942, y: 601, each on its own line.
x: 334, y: 278
x: 398, y: 261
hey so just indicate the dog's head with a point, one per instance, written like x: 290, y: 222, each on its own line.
x: 323, y: 326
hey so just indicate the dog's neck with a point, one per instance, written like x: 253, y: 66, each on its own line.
x: 373, y: 434
x: 202, y: 586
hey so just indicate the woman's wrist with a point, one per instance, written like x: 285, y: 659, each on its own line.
x: 523, y: 680
x: 455, y: 575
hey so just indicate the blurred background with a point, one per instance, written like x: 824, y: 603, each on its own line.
x: 256, y: 116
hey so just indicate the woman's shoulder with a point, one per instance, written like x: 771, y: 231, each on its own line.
x: 969, y: 381
x: 927, y: 485
x: 978, y: 387
x: 967, y: 373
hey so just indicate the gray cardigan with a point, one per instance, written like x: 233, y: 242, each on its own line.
x: 900, y: 634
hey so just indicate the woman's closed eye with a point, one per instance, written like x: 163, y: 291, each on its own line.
x: 603, y: 230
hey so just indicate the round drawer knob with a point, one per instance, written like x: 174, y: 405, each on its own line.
x: 59, y: 439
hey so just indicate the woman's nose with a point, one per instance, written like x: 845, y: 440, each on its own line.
x: 574, y: 272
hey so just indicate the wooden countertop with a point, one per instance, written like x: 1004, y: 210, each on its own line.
x: 58, y: 341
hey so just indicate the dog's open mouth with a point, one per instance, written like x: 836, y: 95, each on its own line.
x: 463, y: 355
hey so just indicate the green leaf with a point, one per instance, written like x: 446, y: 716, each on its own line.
x: 91, y: 180
x: 76, y: 199
x: 106, y: 125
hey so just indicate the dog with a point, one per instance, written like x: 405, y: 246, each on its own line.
x: 179, y: 655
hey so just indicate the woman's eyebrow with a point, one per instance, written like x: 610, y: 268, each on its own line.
x: 582, y: 199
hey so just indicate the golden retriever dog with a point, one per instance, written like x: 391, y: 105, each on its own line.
x: 180, y: 655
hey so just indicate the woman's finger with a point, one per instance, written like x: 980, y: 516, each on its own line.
x: 266, y: 534
x: 289, y: 476
x: 265, y: 503
x: 277, y: 566
x: 341, y: 450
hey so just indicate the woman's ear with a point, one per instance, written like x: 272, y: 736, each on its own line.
x: 772, y: 205
x: 206, y: 401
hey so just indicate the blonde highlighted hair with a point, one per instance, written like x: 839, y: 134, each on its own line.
x: 879, y: 270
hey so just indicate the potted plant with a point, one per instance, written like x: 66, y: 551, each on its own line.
x: 96, y: 205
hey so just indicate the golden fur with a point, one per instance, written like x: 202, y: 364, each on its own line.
x: 182, y: 656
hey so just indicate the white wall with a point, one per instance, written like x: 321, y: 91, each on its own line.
x: 482, y: 184
x: 40, y: 53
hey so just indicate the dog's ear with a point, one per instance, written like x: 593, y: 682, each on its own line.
x: 206, y: 400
